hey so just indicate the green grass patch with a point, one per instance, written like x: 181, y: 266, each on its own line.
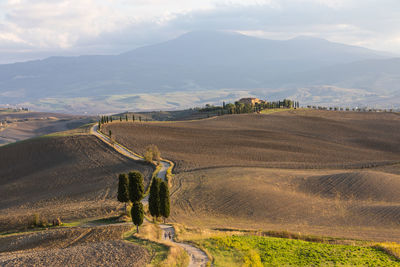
x: 74, y: 223
x: 250, y: 250
x: 274, y: 110
x: 158, y: 252
x: 109, y: 220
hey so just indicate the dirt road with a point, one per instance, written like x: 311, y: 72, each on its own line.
x: 197, y: 256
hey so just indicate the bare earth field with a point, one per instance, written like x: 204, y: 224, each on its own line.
x: 295, y: 139
x: 95, y: 246
x: 23, y: 125
x: 70, y: 177
x: 352, y: 204
x: 317, y: 172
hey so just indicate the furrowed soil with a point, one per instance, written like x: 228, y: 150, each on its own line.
x: 315, y: 172
x: 95, y: 246
x: 70, y: 177
x: 346, y: 203
x: 294, y: 139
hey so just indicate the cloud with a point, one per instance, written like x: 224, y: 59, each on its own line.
x: 368, y: 23
x: 52, y: 24
x: 114, y: 26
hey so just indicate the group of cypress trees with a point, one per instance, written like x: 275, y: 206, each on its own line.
x: 159, y: 204
x: 107, y: 119
x: 131, y: 188
x: 239, y: 107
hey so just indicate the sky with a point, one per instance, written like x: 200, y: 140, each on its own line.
x: 32, y: 29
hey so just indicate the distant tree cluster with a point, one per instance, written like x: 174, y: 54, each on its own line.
x: 107, y: 119
x: 240, y: 107
x: 286, y: 103
x: 357, y: 109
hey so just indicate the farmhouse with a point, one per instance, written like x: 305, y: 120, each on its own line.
x: 251, y: 101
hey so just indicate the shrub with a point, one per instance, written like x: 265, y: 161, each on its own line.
x: 38, y: 221
x: 152, y: 154
x: 57, y: 222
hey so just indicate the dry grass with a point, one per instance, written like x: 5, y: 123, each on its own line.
x: 184, y: 233
x: 391, y: 248
x: 166, y: 254
x: 149, y: 231
x: 291, y: 139
x: 177, y: 256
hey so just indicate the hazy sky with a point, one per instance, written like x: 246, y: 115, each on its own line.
x: 39, y: 28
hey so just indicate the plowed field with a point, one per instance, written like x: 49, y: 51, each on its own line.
x: 96, y: 246
x: 319, y: 172
x: 68, y: 177
x: 294, y: 139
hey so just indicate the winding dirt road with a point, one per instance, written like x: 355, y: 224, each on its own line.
x: 197, y: 256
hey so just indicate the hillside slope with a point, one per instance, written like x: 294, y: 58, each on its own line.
x: 19, y: 126
x: 362, y: 204
x: 317, y: 172
x: 295, y: 139
x: 68, y: 177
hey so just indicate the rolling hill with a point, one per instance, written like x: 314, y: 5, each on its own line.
x: 68, y: 177
x: 301, y: 139
x: 291, y: 200
x: 316, y: 172
x: 17, y: 126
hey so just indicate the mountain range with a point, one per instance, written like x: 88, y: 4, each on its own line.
x: 205, y: 67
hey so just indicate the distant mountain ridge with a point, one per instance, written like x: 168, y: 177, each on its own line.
x: 197, y: 61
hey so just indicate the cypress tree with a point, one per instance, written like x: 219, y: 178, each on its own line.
x: 136, y: 187
x: 140, y: 118
x: 111, y: 118
x: 120, y: 118
x: 109, y: 133
x: 123, y: 188
x: 164, y: 200
x: 154, y: 198
x: 137, y: 214
x: 126, y: 117
x: 133, y: 117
